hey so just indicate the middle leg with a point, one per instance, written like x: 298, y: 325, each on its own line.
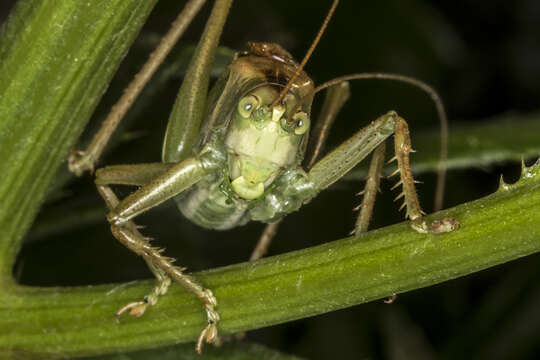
x: 371, y: 188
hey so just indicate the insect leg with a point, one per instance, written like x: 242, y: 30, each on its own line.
x: 268, y: 234
x: 171, y: 182
x: 136, y: 174
x: 370, y: 189
x: 163, y: 282
x: 81, y: 161
x: 441, y: 176
x: 402, y: 149
x: 176, y: 179
x: 142, y: 247
x: 336, y: 164
x: 163, y: 268
x: 138, y: 308
x: 335, y: 98
x: 369, y: 193
x: 188, y: 111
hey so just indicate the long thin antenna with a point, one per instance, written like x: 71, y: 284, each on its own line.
x: 441, y: 173
x: 308, y: 54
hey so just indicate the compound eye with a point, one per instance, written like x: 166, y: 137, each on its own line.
x: 301, y: 123
x: 247, y: 105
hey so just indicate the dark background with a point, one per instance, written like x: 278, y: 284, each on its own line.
x: 483, y: 57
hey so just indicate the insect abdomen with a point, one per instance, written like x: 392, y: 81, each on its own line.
x: 208, y: 206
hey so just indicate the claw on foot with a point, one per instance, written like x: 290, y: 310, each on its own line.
x: 136, y: 309
x: 208, y: 335
x: 79, y: 162
x: 445, y: 225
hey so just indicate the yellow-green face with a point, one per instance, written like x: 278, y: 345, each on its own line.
x: 262, y: 141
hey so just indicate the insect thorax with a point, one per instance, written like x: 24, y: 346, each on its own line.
x: 212, y: 205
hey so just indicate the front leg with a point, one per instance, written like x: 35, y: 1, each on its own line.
x: 336, y: 164
x: 137, y: 308
x: 167, y: 185
x: 170, y: 183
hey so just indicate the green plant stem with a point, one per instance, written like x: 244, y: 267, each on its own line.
x: 79, y: 321
x: 56, y: 60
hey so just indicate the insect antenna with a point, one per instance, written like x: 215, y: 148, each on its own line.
x: 441, y: 173
x: 308, y: 54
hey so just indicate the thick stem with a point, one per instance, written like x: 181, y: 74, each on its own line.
x: 56, y: 60
x: 79, y: 321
